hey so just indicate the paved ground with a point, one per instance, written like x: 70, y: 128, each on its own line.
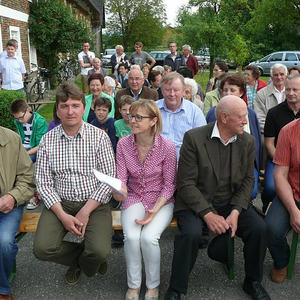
x: 42, y: 280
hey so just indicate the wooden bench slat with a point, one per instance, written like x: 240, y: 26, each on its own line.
x: 40, y: 102
x: 30, y: 221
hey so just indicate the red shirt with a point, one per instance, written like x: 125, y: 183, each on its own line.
x: 288, y: 154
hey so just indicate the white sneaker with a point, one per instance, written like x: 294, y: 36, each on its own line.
x: 33, y: 203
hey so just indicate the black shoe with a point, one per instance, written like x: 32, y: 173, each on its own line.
x: 72, y: 276
x: 173, y: 295
x: 255, y: 290
x: 103, y: 268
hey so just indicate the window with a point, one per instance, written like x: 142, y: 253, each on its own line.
x: 265, y: 58
x: 290, y: 57
x: 32, y: 55
x: 1, y: 45
x: 14, y: 33
x: 276, y: 57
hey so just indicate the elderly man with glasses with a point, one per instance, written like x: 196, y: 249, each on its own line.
x: 136, y: 89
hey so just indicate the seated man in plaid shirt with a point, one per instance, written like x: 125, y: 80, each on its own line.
x: 75, y: 201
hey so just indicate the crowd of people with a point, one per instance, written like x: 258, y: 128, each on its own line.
x: 176, y: 151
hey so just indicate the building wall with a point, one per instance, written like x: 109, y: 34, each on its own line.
x: 14, y: 17
x: 20, y: 5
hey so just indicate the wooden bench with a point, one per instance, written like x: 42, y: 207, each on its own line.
x: 30, y: 221
x: 41, y: 102
x: 36, y: 105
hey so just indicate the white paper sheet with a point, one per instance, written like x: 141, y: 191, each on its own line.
x: 112, y: 182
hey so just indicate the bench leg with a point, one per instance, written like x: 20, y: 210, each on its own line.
x: 229, y: 267
x: 292, y: 255
x: 13, y: 272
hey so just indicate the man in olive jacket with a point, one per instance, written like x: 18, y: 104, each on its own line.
x: 16, y: 187
x: 215, y: 182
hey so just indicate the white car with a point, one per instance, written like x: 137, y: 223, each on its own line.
x: 288, y: 58
x: 105, y: 60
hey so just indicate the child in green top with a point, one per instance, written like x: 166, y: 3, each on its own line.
x: 122, y: 125
x: 31, y: 126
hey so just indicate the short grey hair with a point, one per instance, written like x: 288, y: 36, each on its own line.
x: 110, y: 82
x: 159, y: 69
x: 278, y: 66
x: 191, y: 82
x: 119, y: 46
x: 188, y: 47
x: 290, y: 77
x: 138, y: 70
x: 96, y: 58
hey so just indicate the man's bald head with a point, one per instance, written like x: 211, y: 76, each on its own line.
x: 231, y: 115
x: 229, y: 104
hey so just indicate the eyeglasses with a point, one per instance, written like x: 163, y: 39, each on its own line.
x: 217, y: 70
x: 22, y: 117
x: 138, y: 118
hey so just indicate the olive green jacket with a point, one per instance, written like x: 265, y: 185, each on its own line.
x: 16, y: 168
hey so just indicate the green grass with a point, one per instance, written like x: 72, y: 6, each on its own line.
x: 47, y: 112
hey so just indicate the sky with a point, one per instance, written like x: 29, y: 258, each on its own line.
x: 172, y: 7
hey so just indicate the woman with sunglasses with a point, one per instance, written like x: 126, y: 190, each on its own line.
x: 146, y: 165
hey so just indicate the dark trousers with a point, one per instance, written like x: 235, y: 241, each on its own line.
x: 49, y: 241
x: 251, y: 229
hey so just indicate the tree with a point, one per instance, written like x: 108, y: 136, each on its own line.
x: 275, y: 25
x: 204, y: 28
x: 53, y: 30
x: 136, y: 20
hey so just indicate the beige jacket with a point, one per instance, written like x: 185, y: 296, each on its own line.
x: 265, y: 99
x: 16, y: 168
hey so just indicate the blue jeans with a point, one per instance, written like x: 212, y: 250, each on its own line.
x: 269, y: 192
x: 278, y: 222
x: 9, y: 225
x: 33, y: 157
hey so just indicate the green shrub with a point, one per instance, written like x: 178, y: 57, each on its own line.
x: 6, y: 97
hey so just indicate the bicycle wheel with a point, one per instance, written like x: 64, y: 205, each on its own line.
x: 34, y: 94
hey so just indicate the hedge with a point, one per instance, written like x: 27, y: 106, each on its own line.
x: 6, y: 97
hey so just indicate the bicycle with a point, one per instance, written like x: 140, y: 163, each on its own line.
x: 68, y: 69
x: 36, y: 87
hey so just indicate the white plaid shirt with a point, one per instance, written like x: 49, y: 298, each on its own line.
x: 64, y: 165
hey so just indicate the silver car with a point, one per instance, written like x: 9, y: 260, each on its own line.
x: 287, y: 58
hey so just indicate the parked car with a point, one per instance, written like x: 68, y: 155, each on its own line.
x: 105, y: 60
x: 203, y: 57
x: 287, y: 58
x: 159, y: 56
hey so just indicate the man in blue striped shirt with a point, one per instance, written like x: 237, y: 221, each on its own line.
x: 179, y: 115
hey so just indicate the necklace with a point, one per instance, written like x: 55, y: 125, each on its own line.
x: 143, y: 151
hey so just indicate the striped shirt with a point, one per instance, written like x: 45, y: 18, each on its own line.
x: 177, y: 123
x: 64, y: 165
x: 288, y: 154
x: 147, y: 181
